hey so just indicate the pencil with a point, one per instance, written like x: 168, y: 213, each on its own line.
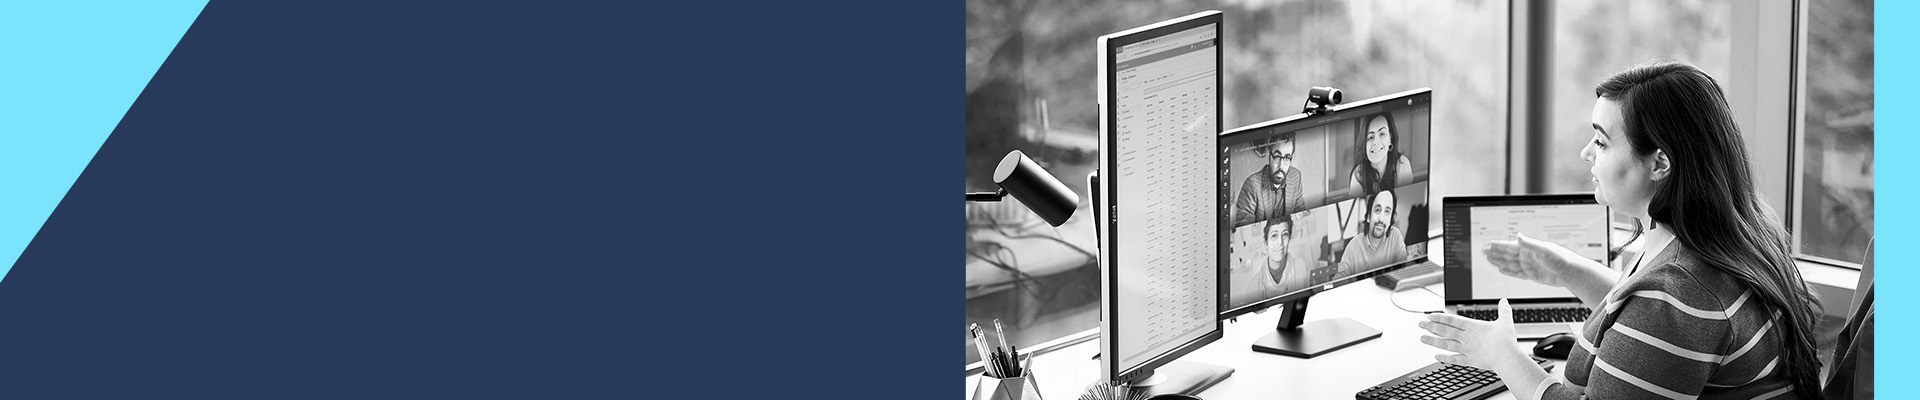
x: 980, y: 345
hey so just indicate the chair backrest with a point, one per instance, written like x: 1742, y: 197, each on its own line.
x: 1866, y: 279
x: 1852, y: 371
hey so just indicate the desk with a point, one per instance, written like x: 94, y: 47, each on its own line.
x: 1064, y: 373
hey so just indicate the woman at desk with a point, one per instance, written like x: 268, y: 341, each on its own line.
x: 1711, y: 306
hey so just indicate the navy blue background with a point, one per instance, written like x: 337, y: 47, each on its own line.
x: 514, y: 201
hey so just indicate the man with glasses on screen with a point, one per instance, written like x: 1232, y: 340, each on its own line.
x: 1381, y: 244
x: 1274, y: 190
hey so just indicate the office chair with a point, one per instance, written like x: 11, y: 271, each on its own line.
x: 1852, y: 372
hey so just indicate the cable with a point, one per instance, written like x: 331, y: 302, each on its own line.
x: 997, y: 227
x: 1396, y: 301
x: 1075, y: 247
x: 1021, y: 280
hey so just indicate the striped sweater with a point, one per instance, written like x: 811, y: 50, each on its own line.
x: 1677, y: 329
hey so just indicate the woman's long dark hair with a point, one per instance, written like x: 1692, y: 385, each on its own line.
x: 1708, y: 198
x: 1372, y: 180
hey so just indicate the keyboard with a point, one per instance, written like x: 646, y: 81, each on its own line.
x: 1441, y: 381
x: 1569, y: 314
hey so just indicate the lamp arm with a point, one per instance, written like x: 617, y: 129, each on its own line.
x: 987, y: 196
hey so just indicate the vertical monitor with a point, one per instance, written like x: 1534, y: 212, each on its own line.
x: 1160, y: 105
x: 1310, y: 202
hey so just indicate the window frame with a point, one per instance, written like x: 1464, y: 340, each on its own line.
x: 1763, y: 87
x: 1798, y: 142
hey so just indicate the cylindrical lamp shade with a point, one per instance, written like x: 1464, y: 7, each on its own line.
x: 1035, y: 188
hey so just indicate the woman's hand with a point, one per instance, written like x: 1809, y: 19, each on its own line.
x: 1487, y: 345
x: 1535, y: 260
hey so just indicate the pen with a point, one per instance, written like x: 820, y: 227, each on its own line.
x: 1015, y: 352
x: 1000, y: 357
x: 1001, y: 330
x: 1003, y: 350
x: 980, y: 344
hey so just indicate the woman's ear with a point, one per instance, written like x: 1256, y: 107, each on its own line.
x: 1658, y: 165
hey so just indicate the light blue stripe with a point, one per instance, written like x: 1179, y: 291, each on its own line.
x: 68, y: 71
x: 1895, y: 89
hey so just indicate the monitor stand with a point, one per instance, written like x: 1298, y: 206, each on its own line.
x: 1306, y: 340
x: 1179, y: 377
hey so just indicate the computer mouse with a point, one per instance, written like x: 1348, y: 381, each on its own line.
x: 1555, y: 346
x: 1173, y: 396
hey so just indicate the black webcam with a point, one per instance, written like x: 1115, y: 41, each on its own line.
x: 1319, y: 98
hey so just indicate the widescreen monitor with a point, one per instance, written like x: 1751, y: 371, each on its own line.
x: 1310, y: 202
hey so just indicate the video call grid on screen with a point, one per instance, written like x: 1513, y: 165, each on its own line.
x: 1165, y: 91
x: 1326, y: 152
x: 1576, y: 222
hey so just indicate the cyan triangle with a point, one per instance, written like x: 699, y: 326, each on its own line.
x: 68, y: 71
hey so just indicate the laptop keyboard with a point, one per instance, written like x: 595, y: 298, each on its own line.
x: 1526, y: 315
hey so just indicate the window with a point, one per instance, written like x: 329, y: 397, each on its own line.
x: 1030, y: 76
x: 1593, y: 39
x: 1834, y: 208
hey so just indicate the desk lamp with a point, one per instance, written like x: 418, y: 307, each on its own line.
x: 1039, y: 191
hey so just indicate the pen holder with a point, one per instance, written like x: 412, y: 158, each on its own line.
x: 1021, y: 387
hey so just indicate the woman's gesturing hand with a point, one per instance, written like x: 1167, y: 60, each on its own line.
x: 1480, y: 344
x: 1534, y: 260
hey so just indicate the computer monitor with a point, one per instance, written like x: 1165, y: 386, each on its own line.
x: 1160, y: 110
x: 1314, y: 201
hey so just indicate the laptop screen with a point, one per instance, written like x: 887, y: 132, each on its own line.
x: 1470, y: 224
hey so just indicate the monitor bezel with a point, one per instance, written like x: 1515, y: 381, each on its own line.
x: 1333, y: 113
x: 1105, y: 227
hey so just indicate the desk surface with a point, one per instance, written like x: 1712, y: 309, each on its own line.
x: 1064, y: 373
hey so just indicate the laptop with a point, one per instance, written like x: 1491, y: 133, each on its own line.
x: 1474, y: 287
